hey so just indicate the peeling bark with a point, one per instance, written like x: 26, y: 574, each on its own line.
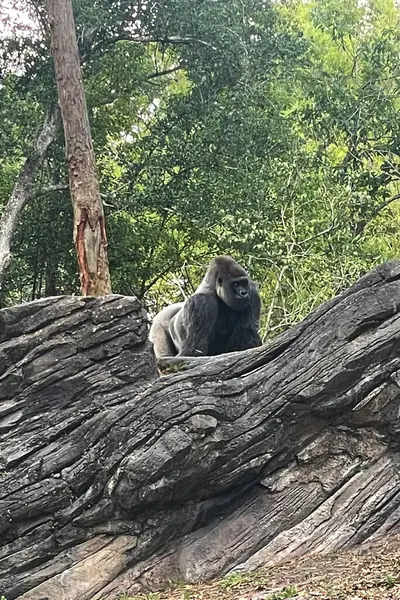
x: 24, y: 187
x: 89, y: 229
x: 114, y: 480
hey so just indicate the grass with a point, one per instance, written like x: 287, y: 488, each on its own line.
x: 391, y: 581
x: 257, y: 579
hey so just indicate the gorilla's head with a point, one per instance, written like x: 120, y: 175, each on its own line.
x: 234, y: 292
x: 231, y: 282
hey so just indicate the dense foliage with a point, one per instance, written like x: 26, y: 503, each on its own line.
x: 269, y: 131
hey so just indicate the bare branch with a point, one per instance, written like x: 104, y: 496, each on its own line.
x: 23, y: 189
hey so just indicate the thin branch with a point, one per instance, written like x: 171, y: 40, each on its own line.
x: 360, y: 226
x: 385, y: 204
x: 49, y: 190
x: 275, y: 292
x: 113, y: 97
x: 167, y: 40
x: 178, y: 67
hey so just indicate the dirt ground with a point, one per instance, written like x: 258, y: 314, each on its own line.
x: 365, y: 573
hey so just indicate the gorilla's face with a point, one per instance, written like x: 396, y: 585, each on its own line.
x: 234, y: 291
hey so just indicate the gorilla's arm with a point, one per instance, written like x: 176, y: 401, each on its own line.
x: 245, y: 334
x: 193, y: 328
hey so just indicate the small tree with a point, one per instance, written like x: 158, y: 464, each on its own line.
x: 89, y: 227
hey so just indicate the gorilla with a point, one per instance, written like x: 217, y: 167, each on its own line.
x: 222, y: 315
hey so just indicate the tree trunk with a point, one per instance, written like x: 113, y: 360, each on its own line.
x: 24, y: 188
x: 89, y: 227
x: 113, y: 479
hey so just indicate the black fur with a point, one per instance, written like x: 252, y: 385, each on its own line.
x: 222, y: 315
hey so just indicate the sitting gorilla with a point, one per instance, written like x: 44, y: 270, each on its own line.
x: 222, y: 315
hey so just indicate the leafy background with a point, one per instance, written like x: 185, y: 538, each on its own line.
x: 265, y: 130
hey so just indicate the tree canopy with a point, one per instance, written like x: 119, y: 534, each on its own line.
x: 269, y: 131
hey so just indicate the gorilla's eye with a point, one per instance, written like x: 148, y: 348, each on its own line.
x: 235, y: 284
